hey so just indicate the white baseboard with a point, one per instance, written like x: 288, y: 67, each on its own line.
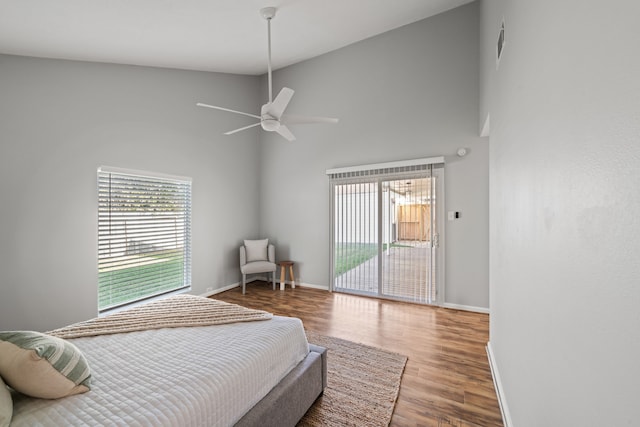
x: 497, y: 383
x: 311, y: 285
x: 303, y: 285
x: 326, y: 288
x: 263, y: 279
x: 466, y: 308
x: 217, y: 291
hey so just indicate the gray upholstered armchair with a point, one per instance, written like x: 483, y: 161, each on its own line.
x: 257, y: 256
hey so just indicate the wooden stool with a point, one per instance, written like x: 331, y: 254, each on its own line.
x: 283, y: 265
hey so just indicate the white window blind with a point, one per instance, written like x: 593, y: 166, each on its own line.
x: 144, y: 236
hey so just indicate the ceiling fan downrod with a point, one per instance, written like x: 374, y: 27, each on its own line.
x: 269, y: 13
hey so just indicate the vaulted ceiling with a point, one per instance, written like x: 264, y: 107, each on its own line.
x: 211, y: 35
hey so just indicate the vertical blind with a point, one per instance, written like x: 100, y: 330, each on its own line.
x: 144, y: 236
x: 384, y: 241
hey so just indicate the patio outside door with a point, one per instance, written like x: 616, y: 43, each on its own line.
x: 386, y: 235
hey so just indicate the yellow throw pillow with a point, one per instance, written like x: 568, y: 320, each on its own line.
x: 43, y: 366
x: 6, y: 405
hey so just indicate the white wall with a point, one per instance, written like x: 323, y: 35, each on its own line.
x: 565, y: 209
x: 409, y: 93
x: 59, y: 121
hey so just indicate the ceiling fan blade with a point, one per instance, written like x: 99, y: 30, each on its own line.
x: 199, y: 104
x: 243, y: 128
x: 286, y: 133
x: 279, y: 104
x: 290, y: 120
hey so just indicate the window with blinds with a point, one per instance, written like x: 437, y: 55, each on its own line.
x: 144, y: 236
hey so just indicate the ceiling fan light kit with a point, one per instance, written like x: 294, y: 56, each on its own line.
x: 272, y: 117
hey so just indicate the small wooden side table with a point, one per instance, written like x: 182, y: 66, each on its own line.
x: 283, y: 269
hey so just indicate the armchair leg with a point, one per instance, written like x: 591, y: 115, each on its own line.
x: 244, y: 282
x: 273, y: 279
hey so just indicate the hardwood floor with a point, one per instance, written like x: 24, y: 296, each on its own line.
x: 447, y: 381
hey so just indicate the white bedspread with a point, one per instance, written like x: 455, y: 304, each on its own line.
x: 198, y: 376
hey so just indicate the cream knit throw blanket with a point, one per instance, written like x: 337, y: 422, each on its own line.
x: 174, y: 312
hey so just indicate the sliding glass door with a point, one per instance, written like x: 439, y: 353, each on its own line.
x: 386, y: 233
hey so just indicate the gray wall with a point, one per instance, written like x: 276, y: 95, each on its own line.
x: 409, y: 93
x: 59, y: 121
x: 565, y: 203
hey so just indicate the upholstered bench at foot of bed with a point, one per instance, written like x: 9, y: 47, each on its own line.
x: 287, y: 402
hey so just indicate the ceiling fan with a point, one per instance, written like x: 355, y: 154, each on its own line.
x: 272, y: 117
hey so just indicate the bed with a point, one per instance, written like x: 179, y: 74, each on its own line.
x: 241, y: 372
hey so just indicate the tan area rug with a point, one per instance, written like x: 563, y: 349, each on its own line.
x: 362, y: 387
